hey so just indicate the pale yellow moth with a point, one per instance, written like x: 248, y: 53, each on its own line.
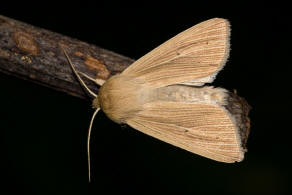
x: 162, y: 94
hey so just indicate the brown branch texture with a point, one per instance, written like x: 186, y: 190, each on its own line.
x: 35, y: 54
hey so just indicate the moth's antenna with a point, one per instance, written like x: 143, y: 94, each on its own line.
x: 99, y: 82
x: 96, y: 111
x: 88, y: 141
x: 77, y: 75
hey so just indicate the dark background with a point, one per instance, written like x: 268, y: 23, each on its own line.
x: 43, y: 132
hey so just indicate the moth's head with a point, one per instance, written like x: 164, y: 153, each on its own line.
x: 118, y: 98
x: 105, y: 99
x: 95, y: 103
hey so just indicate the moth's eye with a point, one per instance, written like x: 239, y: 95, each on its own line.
x: 95, y: 103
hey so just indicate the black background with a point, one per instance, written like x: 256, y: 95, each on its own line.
x: 43, y: 132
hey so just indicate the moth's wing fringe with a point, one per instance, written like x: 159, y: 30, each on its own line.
x: 239, y: 109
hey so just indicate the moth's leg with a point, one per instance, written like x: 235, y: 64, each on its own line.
x: 77, y: 75
x: 99, y: 82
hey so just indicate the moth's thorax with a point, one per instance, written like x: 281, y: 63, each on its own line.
x: 121, y: 97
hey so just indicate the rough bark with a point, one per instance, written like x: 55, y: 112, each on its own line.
x: 35, y: 54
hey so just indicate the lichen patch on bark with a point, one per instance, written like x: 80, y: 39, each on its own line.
x: 99, y: 66
x: 26, y: 43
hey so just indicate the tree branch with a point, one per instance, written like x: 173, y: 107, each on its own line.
x: 35, y: 54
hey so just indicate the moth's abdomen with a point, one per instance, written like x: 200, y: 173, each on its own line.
x: 120, y: 97
x: 190, y: 94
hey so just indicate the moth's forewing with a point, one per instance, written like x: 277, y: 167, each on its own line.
x: 193, y: 56
x: 203, y: 127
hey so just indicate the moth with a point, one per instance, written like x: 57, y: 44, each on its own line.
x: 162, y: 94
